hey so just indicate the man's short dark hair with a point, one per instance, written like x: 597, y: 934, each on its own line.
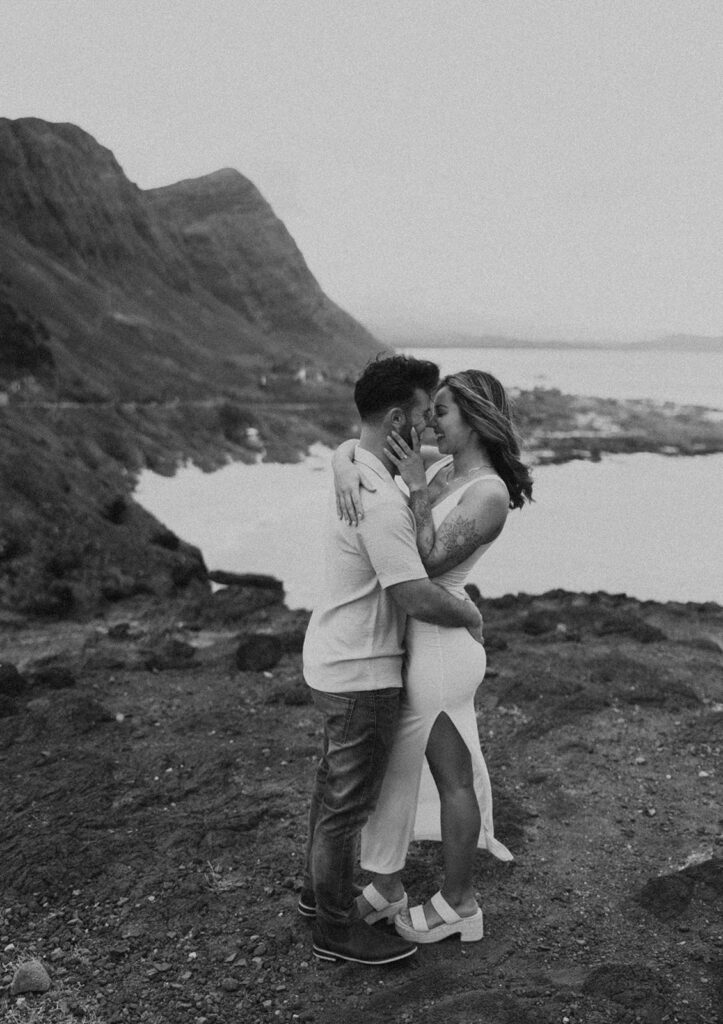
x: 390, y: 381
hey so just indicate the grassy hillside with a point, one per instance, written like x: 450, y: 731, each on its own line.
x: 140, y: 328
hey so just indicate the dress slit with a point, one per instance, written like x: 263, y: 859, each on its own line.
x: 443, y: 669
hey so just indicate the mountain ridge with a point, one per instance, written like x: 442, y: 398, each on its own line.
x: 140, y: 329
x: 154, y: 256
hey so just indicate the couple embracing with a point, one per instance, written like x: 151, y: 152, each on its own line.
x: 393, y: 655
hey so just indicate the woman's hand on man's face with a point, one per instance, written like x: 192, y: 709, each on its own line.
x: 408, y: 460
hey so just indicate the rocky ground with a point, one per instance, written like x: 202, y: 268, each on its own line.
x: 155, y: 772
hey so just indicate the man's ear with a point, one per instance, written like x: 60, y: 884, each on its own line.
x: 396, y: 418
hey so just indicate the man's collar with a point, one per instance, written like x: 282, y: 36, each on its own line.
x: 366, y: 458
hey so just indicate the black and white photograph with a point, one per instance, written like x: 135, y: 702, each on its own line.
x: 361, y: 512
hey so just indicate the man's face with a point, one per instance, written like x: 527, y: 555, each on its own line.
x: 419, y: 415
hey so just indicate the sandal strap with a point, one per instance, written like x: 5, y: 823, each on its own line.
x: 419, y: 921
x: 447, y: 913
x: 374, y: 898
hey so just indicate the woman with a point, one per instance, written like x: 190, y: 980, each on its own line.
x: 460, y: 505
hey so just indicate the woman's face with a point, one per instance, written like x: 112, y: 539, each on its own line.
x: 451, y: 430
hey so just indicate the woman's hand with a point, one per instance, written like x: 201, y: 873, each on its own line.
x: 348, y: 482
x: 408, y: 460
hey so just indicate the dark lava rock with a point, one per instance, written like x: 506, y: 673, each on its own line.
x: 54, y: 677
x: 169, y: 653
x: 537, y: 622
x: 245, y: 579
x: 119, y: 631
x: 293, y: 639
x: 165, y: 538
x: 12, y: 684
x: 187, y: 568
x: 670, y: 895
x: 116, y: 511
x: 30, y: 977
x: 232, y: 605
x: 259, y: 653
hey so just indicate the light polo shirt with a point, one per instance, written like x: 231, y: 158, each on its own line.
x: 355, y: 636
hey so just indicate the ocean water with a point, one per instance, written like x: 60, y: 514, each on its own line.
x: 646, y: 525
x: 685, y: 378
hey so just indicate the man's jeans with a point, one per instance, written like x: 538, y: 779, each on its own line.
x: 359, y: 728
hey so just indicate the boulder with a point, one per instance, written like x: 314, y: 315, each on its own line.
x: 30, y: 977
x: 169, y: 653
x: 232, y: 605
x: 669, y: 896
x: 259, y: 653
x: 538, y: 621
x: 245, y: 579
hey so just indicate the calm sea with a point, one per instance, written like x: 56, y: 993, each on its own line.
x: 646, y: 525
x: 688, y: 379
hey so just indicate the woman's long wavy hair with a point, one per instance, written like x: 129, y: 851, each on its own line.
x: 484, y: 406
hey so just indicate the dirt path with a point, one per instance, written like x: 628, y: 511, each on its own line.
x: 153, y: 825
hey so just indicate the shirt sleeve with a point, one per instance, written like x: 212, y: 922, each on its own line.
x: 389, y: 538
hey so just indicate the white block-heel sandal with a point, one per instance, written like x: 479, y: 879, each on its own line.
x: 471, y: 929
x: 384, y: 910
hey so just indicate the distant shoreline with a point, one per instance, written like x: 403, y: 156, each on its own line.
x: 674, y: 344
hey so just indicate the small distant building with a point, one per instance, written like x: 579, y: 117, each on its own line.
x: 307, y: 376
x: 253, y: 439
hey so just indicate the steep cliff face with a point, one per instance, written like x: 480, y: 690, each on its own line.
x: 66, y: 195
x: 243, y: 254
x: 182, y: 278
x: 139, y: 329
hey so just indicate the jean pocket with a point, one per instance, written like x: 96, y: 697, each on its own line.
x: 338, y: 710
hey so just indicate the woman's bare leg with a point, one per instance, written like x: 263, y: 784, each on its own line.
x: 389, y: 886
x: 451, y: 767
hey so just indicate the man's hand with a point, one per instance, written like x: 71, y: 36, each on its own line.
x: 427, y: 601
x: 476, y: 631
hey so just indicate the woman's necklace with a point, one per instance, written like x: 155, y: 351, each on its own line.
x: 451, y: 478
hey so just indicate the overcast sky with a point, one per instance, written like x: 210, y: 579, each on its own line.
x: 540, y: 167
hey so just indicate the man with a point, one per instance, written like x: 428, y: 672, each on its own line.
x: 373, y: 579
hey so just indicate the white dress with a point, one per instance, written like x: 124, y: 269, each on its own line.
x: 443, y: 668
